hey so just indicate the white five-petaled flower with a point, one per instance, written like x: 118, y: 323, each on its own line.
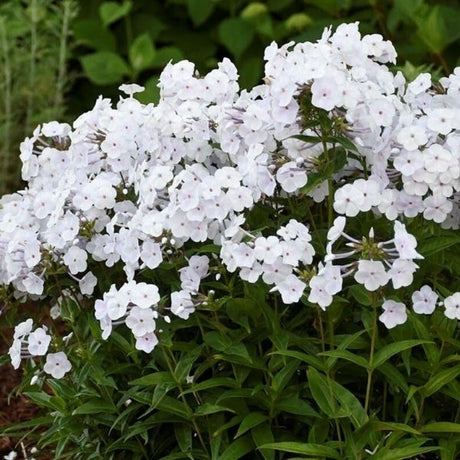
x: 424, y: 300
x: 57, y: 364
x: 452, y: 305
x: 372, y: 274
x: 394, y: 313
x: 75, y: 259
x: 39, y: 342
x: 141, y: 321
x: 291, y: 289
x: 146, y: 342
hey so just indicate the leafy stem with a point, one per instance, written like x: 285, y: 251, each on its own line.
x: 168, y: 357
x: 371, y: 356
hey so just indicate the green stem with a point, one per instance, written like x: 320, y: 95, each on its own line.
x: 32, y: 65
x: 315, y: 228
x: 329, y: 380
x: 330, y: 187
x: 168, y: 355
x: 433, y: 372
x: 8, y: 110
x: 443, y: 62
x: 371, y: 357
x: 62, y: 70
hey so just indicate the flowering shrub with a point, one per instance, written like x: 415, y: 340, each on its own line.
x: 239, y: 239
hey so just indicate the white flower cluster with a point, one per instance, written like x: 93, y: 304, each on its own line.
x: 274, y: 258
x: 370, y: 268
x: 131, y: 184
x: 28, y: 343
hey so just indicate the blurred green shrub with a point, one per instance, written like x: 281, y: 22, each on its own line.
x: 132, y: 40
x: 34, y: 50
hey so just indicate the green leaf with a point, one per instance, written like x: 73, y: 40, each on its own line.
x: 17, y: 429
x: 185, y: 363
x: 211, y: 383
x: 349, y: 404
x: 104, y: 67
x: 142, y: 52
x: 437, y: 244
x: 281, y: 379
x: 239, y: 311
x: 46, y: 400
x: 200, y: 10
x: 431, y: 351
x: 151, y: 92
x: 394, y: 348
x: 69, y: 309
x: 251, y: 71
x: 346, y: 143
x: 441, y: 427
x: 162, y: 56
x: 207, y: 408
x: 177, y: 456
x: 111, y: 12
x: 361, y: 294
x: 439, y: 380
x: 97, y: 406
x: 394, y: 376
x: 250, y: 421
x: 236, y: 34
x: 308, y: 139
x: 295, y: 405
x: 343, y: 141
x: 160, y: 391
x: 278, y: 5
x: 403, y: 453
x: 392, y: 426
x: 237, y: 449
x: 317, y: 450
x: 348, y: 356
x: 304, y: 357
x: 321, y: 392
x: 216, y: 340
x: 90, y: 32
x: 448, y: 449
x: 173, y: 406
x: 154, y: 379
x: 262, y: 434
x: 61, y: 388
x: 439, y: 27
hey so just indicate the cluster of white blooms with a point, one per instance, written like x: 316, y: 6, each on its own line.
x: 28, y: 343
x: 184, y: 302
x: 134, y: 304
x: 131, y: 184
x: 274, y: 258
x: 374, y: 263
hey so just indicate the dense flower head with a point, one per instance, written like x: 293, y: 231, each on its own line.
x: 129, y: 184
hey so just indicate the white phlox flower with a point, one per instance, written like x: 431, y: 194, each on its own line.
x: 394, y: 313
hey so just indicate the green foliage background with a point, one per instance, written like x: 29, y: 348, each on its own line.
x: 83, y: 48
x: 133, y: 40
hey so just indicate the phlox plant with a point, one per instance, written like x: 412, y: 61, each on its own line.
x: 263, y: 274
